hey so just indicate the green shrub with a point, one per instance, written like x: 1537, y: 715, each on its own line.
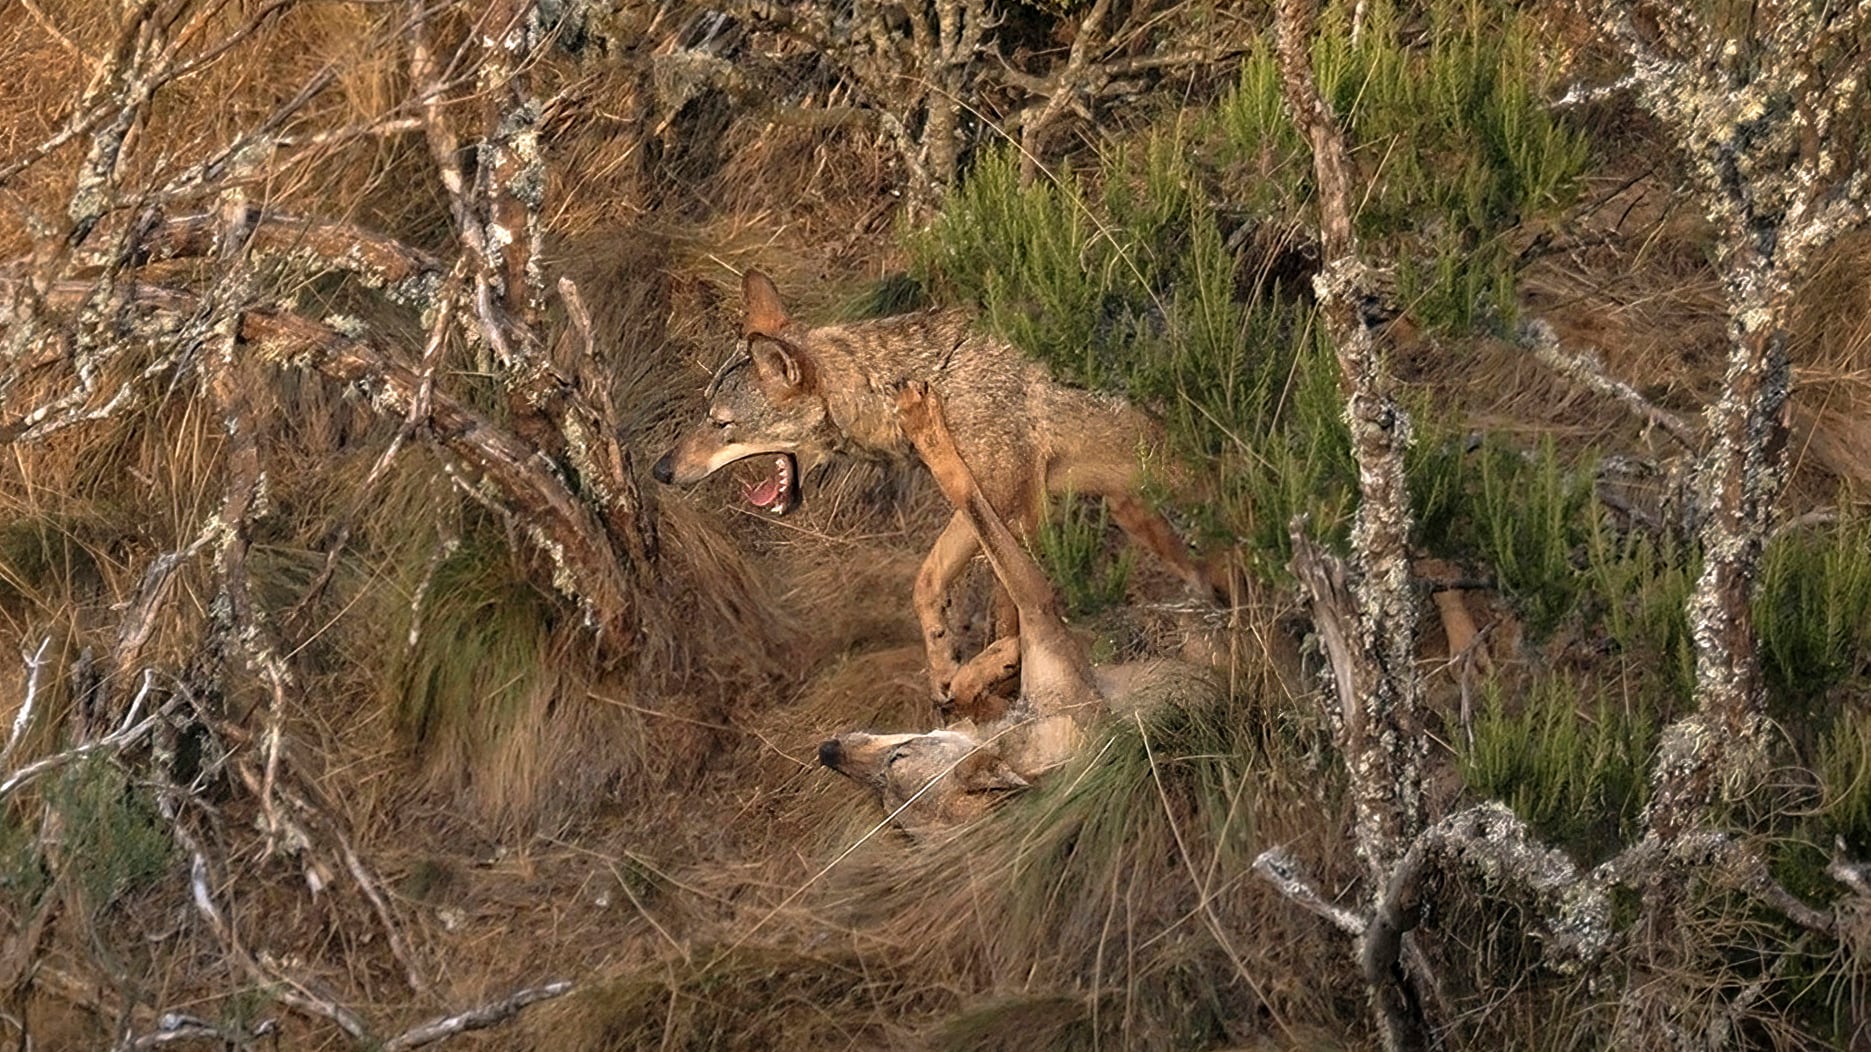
x: 1453, y: 142
x: 1570, y: 761
x: 1529, y: 519
x: 114, y: 840
x: 1070, y: 543
x: 1843, y: 766
x: 1640, y: 583
x: 1812, y: 609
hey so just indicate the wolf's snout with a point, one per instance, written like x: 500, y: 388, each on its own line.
x: 664, y: 472
x: 831, y: 754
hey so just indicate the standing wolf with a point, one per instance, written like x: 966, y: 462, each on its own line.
x: 800, y: 395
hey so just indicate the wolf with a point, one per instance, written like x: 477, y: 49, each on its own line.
x: 936, y: 780
x: 798, y: 396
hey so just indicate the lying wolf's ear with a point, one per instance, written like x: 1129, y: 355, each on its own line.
x: 763, y: 314
x: 984, y: 771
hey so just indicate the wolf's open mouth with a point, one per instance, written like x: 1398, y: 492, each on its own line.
x: 778, y: 492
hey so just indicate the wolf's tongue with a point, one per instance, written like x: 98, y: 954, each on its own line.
x: 763, y: 494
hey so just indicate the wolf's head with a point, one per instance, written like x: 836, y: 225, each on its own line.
x: 765, y: 401
x: 929, y: 781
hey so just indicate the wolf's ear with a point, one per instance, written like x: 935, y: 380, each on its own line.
x: 984, y: 771
x: 783, y: 369
x: 763, y: 314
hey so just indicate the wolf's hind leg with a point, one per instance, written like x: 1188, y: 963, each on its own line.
x: 974, y: 692
x: 1149, y: 528
x: 1117, y: 482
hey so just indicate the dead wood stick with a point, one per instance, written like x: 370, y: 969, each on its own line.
x: 35, y: 663
x: 405, y: 274
x: 1289, y: 878
x: 1586, y: 370
x: 125, y: 735
x: 479, y: 1017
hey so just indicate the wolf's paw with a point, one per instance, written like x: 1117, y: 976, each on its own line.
x: 917, y: 406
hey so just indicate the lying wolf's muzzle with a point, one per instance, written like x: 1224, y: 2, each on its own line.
x: 664, y: 471
x: 831, y: 754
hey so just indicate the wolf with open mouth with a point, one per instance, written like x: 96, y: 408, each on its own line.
x: 791, y: 397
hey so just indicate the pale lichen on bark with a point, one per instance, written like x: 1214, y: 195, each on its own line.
x: 1753, y: 117
x: 1379, y: 692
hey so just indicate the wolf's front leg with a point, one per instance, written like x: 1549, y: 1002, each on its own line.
x: 934, y: 596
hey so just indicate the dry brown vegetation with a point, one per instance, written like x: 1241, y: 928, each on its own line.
x: 364, y: 685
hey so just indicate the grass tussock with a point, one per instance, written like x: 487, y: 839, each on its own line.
x: 1109, y: 908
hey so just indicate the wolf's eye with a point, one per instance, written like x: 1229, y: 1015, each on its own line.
x: 896, y: 754
x: 724, y: 424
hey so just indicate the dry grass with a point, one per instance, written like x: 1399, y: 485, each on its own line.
x: 659, y: 832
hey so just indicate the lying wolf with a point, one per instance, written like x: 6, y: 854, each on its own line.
x: 798, y: 396
x: 938, y: 779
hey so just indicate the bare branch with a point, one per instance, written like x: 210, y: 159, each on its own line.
x: 492, y: 463
x: 116, y: 741
x: 23, y: 718
x: 1289, y: 878
x: 1586, y: 370
x: 480, y: 1017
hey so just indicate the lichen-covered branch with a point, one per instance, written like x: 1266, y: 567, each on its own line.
x: 499, y: 223
x: 1379, y: 693
x: 1754, y: 119
x: 1584, y: 369
x: 1365, y: 610
x: 489, y: 460
x: 480, y: 1017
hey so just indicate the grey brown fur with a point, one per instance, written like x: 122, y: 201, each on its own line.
x: 802, y: 395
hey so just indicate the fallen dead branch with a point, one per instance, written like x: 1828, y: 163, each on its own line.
x: 131, y: 731
x: 480, y: 1017
x: 1584, y: 369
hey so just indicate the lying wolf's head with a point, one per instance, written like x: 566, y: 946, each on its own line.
x: 927, y: 781
x: 765, y: 401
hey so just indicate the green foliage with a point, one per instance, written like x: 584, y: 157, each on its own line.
x: 113, y: 839
x: 1450, y: 134
x: 1529, y: 520
x: 1070, y: 544
x: 1572, y: 764
x: 1437, y: 469
x: 1843, y: 766
x: 1077, y: 278
x: 1641, y: 583
x: 1812, y: 610
x: 22, y: 869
